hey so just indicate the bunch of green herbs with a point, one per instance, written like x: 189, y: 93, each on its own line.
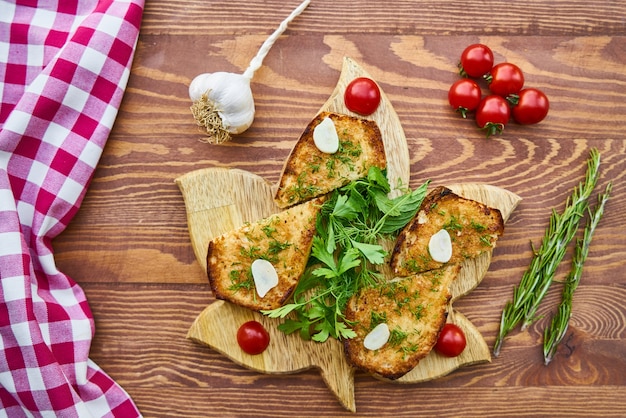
x: 539, y: 276
x: 345, y: 254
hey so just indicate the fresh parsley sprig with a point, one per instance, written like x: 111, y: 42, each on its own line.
x: 345, y: 254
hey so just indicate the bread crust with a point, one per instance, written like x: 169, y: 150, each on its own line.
x: 284, y: 239
x: 309, y: 172
x: 413, y: 307
x: 473, y: 226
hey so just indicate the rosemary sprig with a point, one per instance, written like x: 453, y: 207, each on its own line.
x: 537, y: 279
x: 554, y: 333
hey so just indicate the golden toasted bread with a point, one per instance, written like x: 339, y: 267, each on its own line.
x: 473, y: 228
x: 283, y: 239
x: 414, y: 309
x: 309, y: 172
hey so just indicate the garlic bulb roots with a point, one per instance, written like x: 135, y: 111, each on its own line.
x: 222, y: 102
x: 209, y: 119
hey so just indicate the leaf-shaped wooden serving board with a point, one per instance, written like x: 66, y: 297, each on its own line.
x: 218, y: 200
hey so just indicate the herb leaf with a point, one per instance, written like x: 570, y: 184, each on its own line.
x: 373, y: 252
x: 407, y: 206
x: 346, y: 208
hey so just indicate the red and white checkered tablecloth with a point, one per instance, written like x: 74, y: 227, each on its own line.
x: 64, y: 66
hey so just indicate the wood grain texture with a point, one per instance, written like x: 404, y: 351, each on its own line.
x: 129, y: 245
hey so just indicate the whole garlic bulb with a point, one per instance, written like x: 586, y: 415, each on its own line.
x: 223, y: 102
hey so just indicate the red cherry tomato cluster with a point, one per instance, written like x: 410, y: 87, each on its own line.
x: 507, y: 96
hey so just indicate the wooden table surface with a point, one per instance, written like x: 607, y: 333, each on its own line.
x: 129, y: 246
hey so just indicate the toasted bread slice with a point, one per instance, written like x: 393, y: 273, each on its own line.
x: 473, y: 228
x: 309, y: 172
x: 414, y: 309
x: 283, y: 239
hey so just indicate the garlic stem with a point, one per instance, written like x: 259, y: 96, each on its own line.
x: 257, y: 61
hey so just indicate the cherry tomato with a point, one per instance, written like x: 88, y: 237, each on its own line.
x: 476, y: 60
x: 532, y: 107
x: 451, y: 341
x: 464, y: 96
x: 362, y: 96
x: 505, y: 79
x: 252, y: 337
x: 492, y: 114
